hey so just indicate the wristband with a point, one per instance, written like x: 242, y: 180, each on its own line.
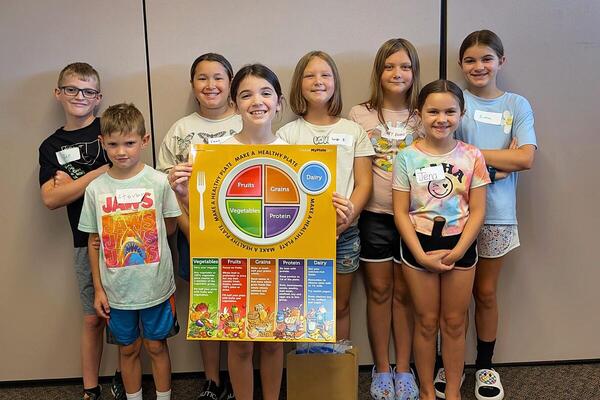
x: 492, y: 172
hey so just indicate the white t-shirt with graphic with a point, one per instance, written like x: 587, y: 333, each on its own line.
x: 351, y: 140
x: 194, y: 129
x: 128, y: 214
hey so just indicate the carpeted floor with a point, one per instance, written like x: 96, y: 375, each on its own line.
x: 559, y: 382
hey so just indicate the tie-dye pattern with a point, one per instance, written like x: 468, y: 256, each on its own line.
x: 464, y: 168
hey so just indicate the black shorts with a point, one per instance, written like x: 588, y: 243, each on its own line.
x: 379, y: 237
x: 429, y: 243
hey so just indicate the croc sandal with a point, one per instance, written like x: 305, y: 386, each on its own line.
x: 488, y: 385
x: 382, y: 385
x: 439, y: 383
x: 405, y: 386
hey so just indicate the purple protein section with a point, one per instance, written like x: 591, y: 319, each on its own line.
x: 278, y: 219
x: 290, y: 293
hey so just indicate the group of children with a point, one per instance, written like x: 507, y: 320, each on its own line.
x: 413, y: 163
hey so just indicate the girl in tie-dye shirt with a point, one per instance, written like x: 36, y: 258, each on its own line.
x: 439, y: 189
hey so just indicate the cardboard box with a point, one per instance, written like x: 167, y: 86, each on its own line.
x: 322, y: 376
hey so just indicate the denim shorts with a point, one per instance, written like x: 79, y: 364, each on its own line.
x: 347, y: 251
x: 158, y: 323
x: 84, y: 280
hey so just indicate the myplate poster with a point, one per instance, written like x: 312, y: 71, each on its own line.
x: 262, y: 249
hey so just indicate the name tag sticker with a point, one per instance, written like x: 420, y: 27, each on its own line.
x: 68, y: 155
x: 395, y: 133
x: 216, y: 140
x: 428, y: 174
x: 341, y: 138
x: 487, y: 117
x: 128, y: 196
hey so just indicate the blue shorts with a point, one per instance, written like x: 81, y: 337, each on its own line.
x: 158, y: 323
x: 347, y: 251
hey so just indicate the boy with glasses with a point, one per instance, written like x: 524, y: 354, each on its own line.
x: 69, y: 160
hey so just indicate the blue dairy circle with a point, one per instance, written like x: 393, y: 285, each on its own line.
x: 314, y: 177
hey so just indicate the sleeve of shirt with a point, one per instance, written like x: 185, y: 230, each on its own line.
x: 480, y: 172
x: 352, y: 115
x: 167, y: 154
x: 364, y: 147
x: 170, y: 205
x: 47, y: 167
x: 400, y: 179
x: 523, y: 122
x: 87, y: 221
x: 284, y: 133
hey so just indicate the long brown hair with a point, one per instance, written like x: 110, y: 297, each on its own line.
x: 390, y: 47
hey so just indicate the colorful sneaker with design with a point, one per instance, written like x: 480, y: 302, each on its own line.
x: 488, y: 385
x: 382, y: 385
x: 117, y: 388
x: 405, y: 386
x: 210, y: 391
x: 439, y: 383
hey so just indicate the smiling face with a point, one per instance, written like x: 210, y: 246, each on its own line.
x: 211, y: 85
x: 440, y: 189
x: 480, y: 65
x: 318, y: 83
x: 257, y: 101
x: 440, y: 115
x: 397, y: 75
x: 78, y: 106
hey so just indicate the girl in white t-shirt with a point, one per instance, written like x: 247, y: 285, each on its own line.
x: 389, y: 117
x: 315, y: 96
x: 214, y: 122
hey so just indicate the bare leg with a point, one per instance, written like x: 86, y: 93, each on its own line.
x: 271, y: 369
x: 425, y: 291
x: 343, y: 289
x: 91, y: 349
x: 456, y: 287
x: 486, y: 301
x: 161, y: 363
x: 402, y: 320
x: 131, y: 367
x: 211, y: 357
x: 241, y: 371
x: 379, y: 283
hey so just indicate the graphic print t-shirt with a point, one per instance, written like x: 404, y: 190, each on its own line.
x: 387, y: 141
x: 128, y: 214
x: 194, y: 129
x: 464, y: 169
x: 76, y: 153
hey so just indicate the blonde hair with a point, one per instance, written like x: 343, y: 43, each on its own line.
x: 390, y: 47
x: 83, y: 71
x: 298, y: 103
x: 122, y: 118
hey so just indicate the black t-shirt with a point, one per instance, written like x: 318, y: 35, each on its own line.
x: 54, y: 152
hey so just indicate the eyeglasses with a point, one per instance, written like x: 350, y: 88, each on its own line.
x: 73, y: 91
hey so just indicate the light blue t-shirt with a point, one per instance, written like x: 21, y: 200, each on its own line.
x: 490, y: 124
x: 129, y: 216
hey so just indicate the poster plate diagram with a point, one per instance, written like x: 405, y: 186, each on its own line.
x: 262, y: 251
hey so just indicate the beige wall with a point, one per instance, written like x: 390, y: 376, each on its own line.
x: 547, y: 289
